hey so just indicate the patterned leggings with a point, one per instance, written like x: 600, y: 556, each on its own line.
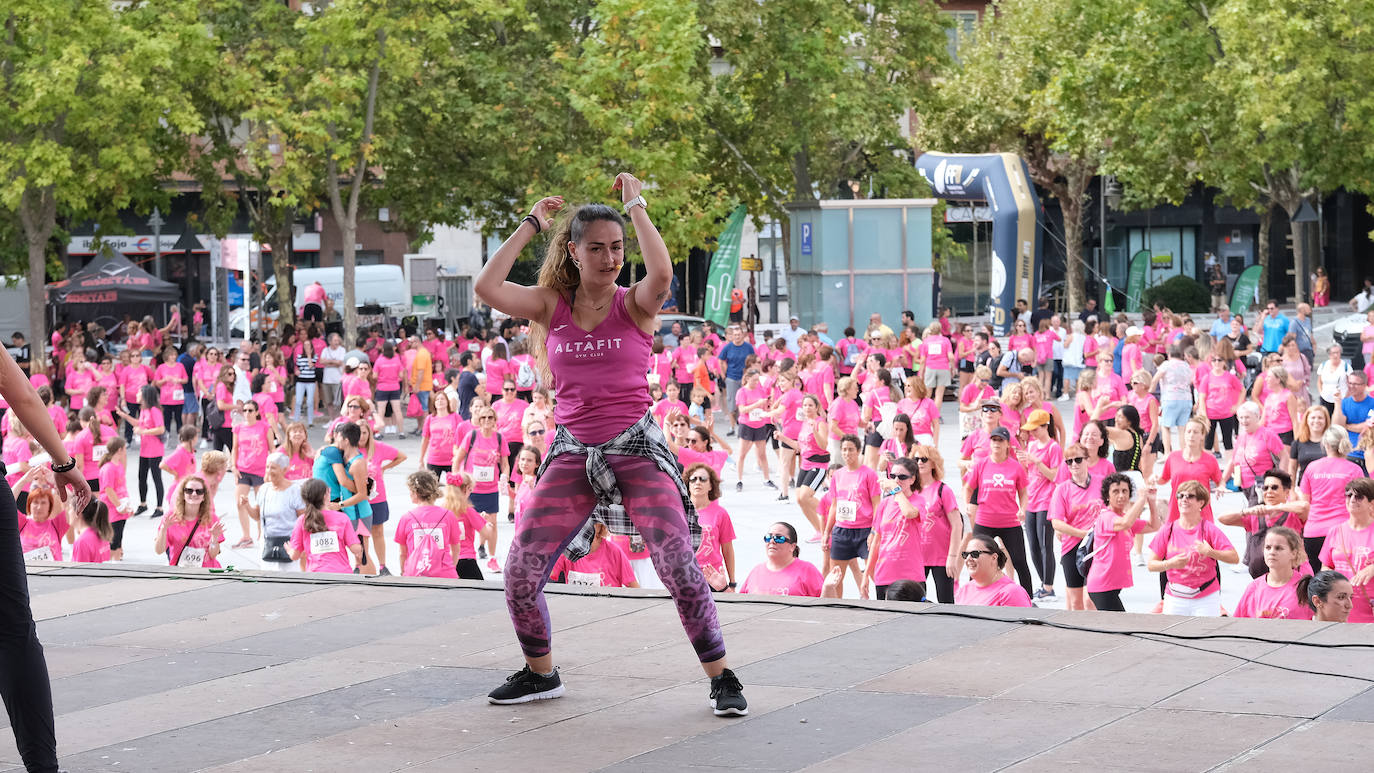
x: 558, y: 507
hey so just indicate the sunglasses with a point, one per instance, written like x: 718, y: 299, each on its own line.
x: 776, y: 539
x: 898, y: 476
x: 991, y: 409
x: 975, y: 553
x: 923, y: 460
x: 537, y: 432
x: 1185, y: 495
x: 507, y: 389
x: 195, y: 491
x: 1076, y: 460
x: 1274, y: 487
x: 698, y: 479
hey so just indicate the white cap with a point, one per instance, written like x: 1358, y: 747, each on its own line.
x: 1132, y: 331
x: 279, y: 459
x: 352, y: 362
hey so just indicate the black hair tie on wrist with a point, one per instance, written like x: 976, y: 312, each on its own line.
x: 534, y: 221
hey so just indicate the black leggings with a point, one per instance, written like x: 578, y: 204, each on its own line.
x: 943, y: 583
x: 1107, y: 600
x: 171, y: 414
x: 1313, y: 546
x: 1016, y: 550
x: 224, y: 438
x: 24, y: 681
x: 133, y: 410
x: 149, y: 465
x: 1040, y: 539
x: 118, y: 541
x: 1229, y: 427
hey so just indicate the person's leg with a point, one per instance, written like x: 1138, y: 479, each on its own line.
x: 1032, y: 529
x: 880, y: 592
x: 132, y: 410
x: 943, y: 583
x: 560, y: 504
x: 1016, y: 551
x: 1047, y: 549
x: 1107, y: 601
x: 809, y: 504
x: 654, y: 505
x: 740, y: 456
x: 155, y: 469
x: 242, y: 491
x: 761, y: 455
x: 1313, y: 546
x: 142, y: 485
x: 24, y: 683
x: 1229, y: 425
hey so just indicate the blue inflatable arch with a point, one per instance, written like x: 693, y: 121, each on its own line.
x: 1001, y: 180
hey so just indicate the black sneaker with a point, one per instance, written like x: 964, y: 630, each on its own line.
x: 727, y: 695
x: 739, y: 485
x: 481, y: 551
x: 384, y: 572
x: 141, y: 510
x: 524, y: 686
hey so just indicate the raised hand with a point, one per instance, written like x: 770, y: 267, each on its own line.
x: 628, y: 185
x: 545, y: 208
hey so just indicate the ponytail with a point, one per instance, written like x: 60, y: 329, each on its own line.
x: 111, y: 448
x: 96, y: 515
x: 313, y: 493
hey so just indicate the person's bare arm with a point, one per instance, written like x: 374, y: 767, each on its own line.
x: 26, y: 405
x: 492, y: 287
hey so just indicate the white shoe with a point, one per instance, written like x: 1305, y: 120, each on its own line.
x: 1064, y: 398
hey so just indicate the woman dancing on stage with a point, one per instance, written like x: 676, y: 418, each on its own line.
x: 609, y: 461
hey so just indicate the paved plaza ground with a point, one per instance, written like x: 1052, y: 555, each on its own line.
x: 263, y: 673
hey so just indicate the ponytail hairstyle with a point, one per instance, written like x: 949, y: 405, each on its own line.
x: 314, y: 492
x: 90, y: 422
x: 558, y: 272
x: 96, y: 515
x: 114, y: 446
x: 456, y: 493
x: 1318, y: 585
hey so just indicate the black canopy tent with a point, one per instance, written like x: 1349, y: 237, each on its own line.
x: 106, y: 289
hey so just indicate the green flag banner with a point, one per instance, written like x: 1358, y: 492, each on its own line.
x: 720, y: 278
x: 1246, y: 290
x: 1135, y: 279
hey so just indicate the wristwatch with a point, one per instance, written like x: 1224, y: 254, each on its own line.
x: 637, y: 201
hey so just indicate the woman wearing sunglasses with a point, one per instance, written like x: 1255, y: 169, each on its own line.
x: 997, y: 492
x: 1349, y: 548
x: 1113, y: 533
x: 898, y: 551
x: 782, y: 572
x: 1189, y: 551
x: 717, y: 549
x: 254, y: 439
x: 1323, y: 487
x: 1042, y: 460
x: 190, y: 535
x: 978, y: 445
x: 986, y: 586
x: 942, y: 523
x: 1074, y: 507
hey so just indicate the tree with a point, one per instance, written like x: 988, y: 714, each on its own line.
x: 63, y: 94
x: 808, y: 94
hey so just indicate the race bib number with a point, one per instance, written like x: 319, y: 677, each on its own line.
x: 485, y: 474
x: 323, y: 543
x: 193, y: 558
x: 585, y: 579
x: 178, y: 395
x: 800, y: 415
x: 935, y: 349
x: 98, y: 452
x: 43, y: 553
x: 474, y: 347
x: 757, y: 415
x: 846, y: 510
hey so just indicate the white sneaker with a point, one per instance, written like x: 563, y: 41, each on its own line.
x: 1064, y: 398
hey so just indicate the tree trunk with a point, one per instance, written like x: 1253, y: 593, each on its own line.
x: 349, y: 230
x: 1262, y: 249
x: 1074, y: 276
x: 38, y: 216
x: 1300, y: 259
x: 281, y: 267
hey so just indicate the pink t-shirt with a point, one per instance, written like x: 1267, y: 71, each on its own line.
x: 923, y: 414
x: 388, y: 371
x: 900, y: 541
x: 382, y: 454
x: 665, y: 406
x: 483, y: 460
x: 1175, y: 540
x: 1276, y: 416
x: 1323, y: 482
x: 150, y: 446
x: 224, y: 397
x: 810, y: 449
x: 684, y: 362
x: 1261, y: 599
x: 1077, y: 507
x: 715, y: 459
x: 114, y: 488
x: 716, y: 530
x: 79, y: 382
x: 1111, y: 567
x: 1041, y: 489
x: 181, y: 462
x: 845, y: 413
x: 16, y: 451
x: 428, y: 534
x: 300, y: 467
x: 132, y: 379
x: 1222, y: 392
x: 90, y: 548
x: 976, y: 446
x: 937, y: 502
x: 508, y: 418
x: 333, y: 560
x: 855, y: 491
x: 661, y: 365
x: 799, y: 578
x: 1020, y: 341
x: 179, y: 531
x: 1044, y: 345
x: 442, y: 432
x: 599, y: 373
x: 1142, y: 404
x: 757, y: 417
x: 48, y: 534
x: 253, y: 448
x: 1349, y: 550
x: 997, y: 485
x: 1001, y: 592
x: 605, y: 567
x: 937, y: 351
x: 175, y: 376
x: 470, y: 524
x: 1204, y: 470
x: 497, y: 372
x: 1252, y: 453
x: 973, y: 393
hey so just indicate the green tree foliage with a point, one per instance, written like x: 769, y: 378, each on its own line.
x: 92, y: 111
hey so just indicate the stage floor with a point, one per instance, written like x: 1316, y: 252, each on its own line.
x: 153, y: 672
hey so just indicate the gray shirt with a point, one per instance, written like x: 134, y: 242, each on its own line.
x: 279, y: 509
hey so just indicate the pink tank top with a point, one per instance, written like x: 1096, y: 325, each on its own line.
x: 599, y: 375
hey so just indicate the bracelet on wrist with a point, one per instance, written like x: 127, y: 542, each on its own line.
x: 534, y: 221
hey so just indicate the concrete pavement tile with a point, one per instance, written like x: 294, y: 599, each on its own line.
x: 596, y: 640
x: 862, y: 655
x: 1222, y: 626
x: 196, y: 600
x: 70, y: 660
x: 340, y: 713
x: 835, y: 723
x: 43, y: 584
x: 1115, y: 621
x: 167, y: 673
x: 1162, y: 741
x: 1022, y: 729
x: 113, y: 592
x: 1311, y: 746
x: 125, y: 720
x: 449, y: 730
x: 360, y: 627
x: 1136, y: 675
x: 994, y: 665
x: 314, y: 603
x: 1359, y: 708
x: 1257, y: 689
x: 596, y: 739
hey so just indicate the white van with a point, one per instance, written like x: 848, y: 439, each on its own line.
x: 381, y: 285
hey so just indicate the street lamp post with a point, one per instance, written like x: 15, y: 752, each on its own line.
x: 156, y: 222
